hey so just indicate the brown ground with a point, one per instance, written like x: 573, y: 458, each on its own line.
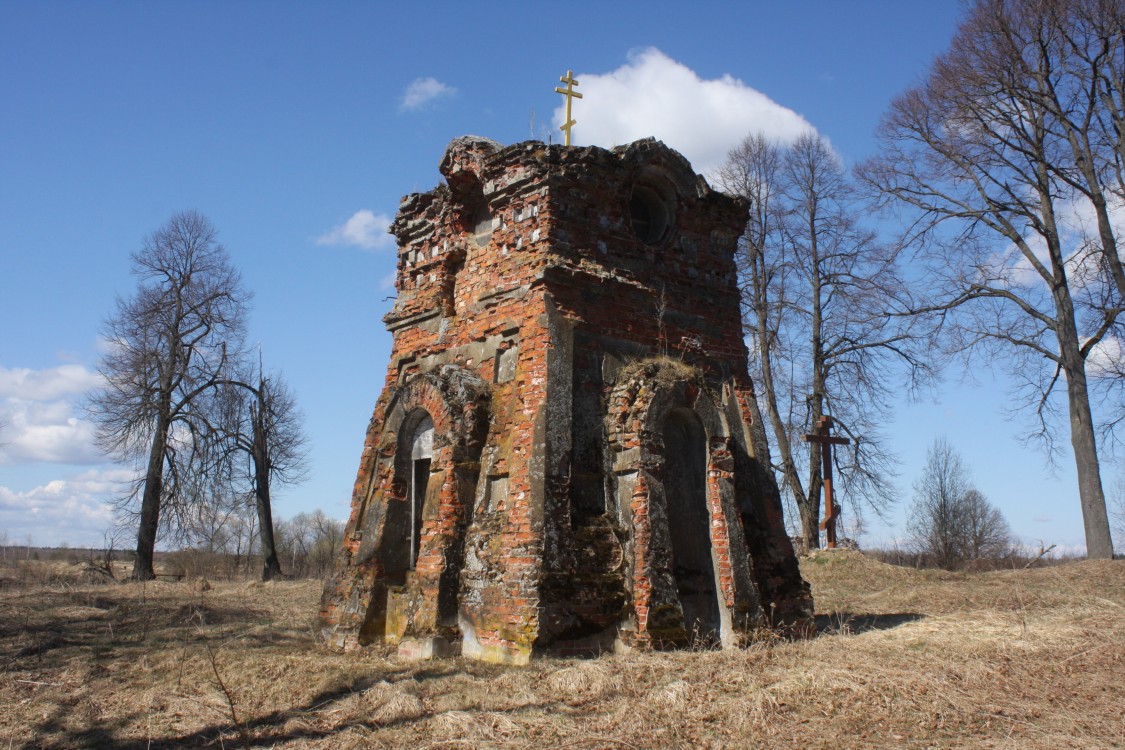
x: 1018, y: 659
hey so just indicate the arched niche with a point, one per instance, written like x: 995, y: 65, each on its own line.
x: 419, y: 500
x: 402, y: 504
x: 689, y: 522
x: 674, y: 492
x: 652, y: 207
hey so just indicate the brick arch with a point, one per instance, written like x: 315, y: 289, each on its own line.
x: 644, y: 397
x: 418, y: 603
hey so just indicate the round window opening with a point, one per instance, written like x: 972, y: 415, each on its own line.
x: 650, y: 213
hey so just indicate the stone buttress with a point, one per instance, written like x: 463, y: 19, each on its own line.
x: 563, y: 456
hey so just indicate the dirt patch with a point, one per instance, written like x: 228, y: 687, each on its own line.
x: 905, y: 658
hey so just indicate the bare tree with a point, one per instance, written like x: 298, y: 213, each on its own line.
x: 218, y: 534
x: 262, y: 425
x: 103, y: 559
x: 309, y: 542
x: 753, y: 170
x: 818, y: 289
x: 987, y: 534
x: 951, y: 521
x: 215, y: 514
x: 170, y: 344
x: 276, y: 454
x: 1067, y: 57
x: 991, y: 176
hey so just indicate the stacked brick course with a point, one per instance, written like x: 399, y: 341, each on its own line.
x: 568, y: 320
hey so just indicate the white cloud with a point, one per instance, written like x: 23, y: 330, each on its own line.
x: 364, y: 229
x: 45, y: 431
x: 1106, y: 358
x: 39, y: 419
x: 422, y: 91
x: 52, y: 383
x: 105, y: 345
x: 654, y: 95
x: 1077, y: 222
x: 76, y: 510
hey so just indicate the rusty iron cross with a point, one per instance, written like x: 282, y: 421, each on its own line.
x: 570, y: 95
x: 824, y: 437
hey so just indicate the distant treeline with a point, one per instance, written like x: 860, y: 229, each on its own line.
x: 306, y: 546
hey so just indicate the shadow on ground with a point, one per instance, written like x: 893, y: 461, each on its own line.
x: 844, y: 623
x: 268, y: 730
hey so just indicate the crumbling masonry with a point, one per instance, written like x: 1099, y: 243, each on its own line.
x: 563, y: 455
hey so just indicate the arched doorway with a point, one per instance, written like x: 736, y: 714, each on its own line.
x: 689, y: 523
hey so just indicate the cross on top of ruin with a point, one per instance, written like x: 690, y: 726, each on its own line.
x: 570, y: 95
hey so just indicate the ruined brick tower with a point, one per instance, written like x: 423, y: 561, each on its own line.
x: 562, y: 458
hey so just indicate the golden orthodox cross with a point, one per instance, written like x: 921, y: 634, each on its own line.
x: 826, y: 439
x: 570, y: 95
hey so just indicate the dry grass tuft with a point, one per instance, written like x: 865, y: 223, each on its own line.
x: 589, y: 680
x: 673, y: 694
x: 399, y: 708
x: 905, y: 658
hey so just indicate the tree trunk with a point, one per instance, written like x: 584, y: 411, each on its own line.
x: 271, y: 566
x: 811, y: 515
x: 810, y: 510
x: 1099, y: 542
x: 789, y: 473
x: 765, y: 337
x: 150, y: 505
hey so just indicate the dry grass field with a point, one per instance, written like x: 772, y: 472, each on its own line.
x: 905, y: 658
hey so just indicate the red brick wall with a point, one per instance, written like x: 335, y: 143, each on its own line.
x: 541, y: 316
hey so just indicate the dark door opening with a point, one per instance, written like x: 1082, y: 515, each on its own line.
x: 421, y: 452
x: 689, y: 526
x: 418, y: 490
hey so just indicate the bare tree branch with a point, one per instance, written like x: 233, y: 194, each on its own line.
x: 819, y: 291
x: 998, y: 153
x: 173, y: 342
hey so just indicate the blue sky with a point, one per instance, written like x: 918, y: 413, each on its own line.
x: 296, y: 128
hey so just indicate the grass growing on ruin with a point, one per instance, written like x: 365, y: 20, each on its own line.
x: 906, y: 658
